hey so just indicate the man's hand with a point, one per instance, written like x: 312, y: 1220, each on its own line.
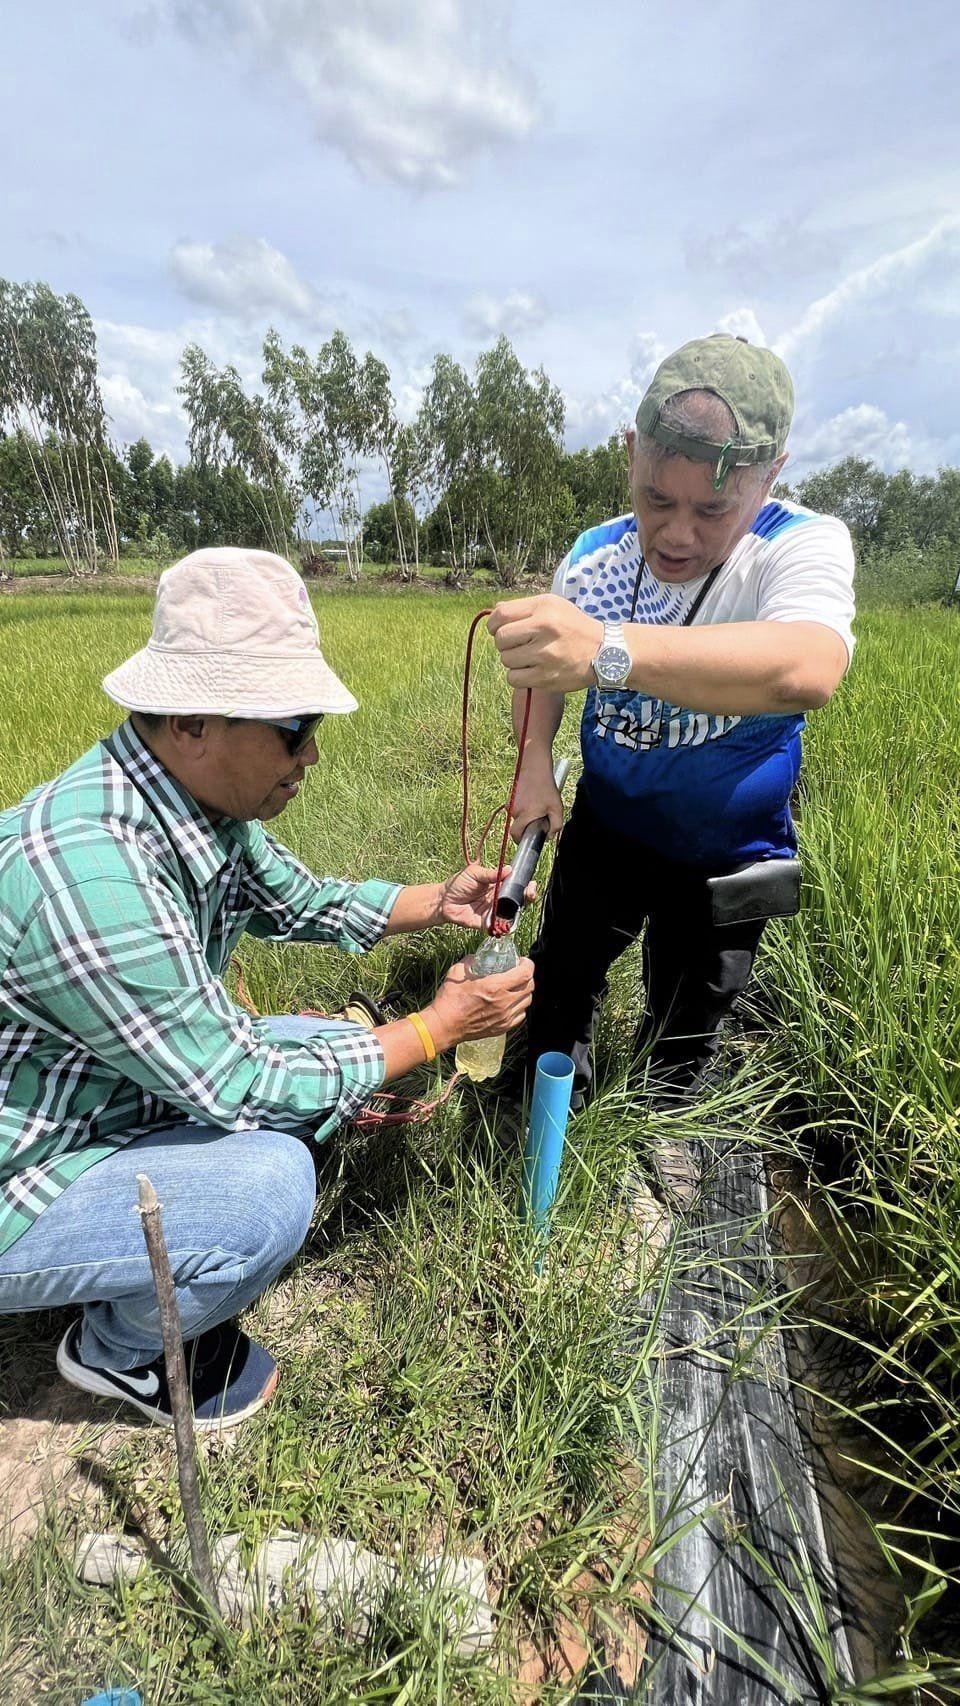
x: 466, y: 1007
x: 466, y: 898
x: 537, y: 796
x: 546, y: 642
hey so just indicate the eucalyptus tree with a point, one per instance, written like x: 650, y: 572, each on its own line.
x: 231, y: 432
x: 394, y: 445
x: 409, y: 491
x: 50, y: 394
x: 598, y: 482
x: 519, y: 418
x: 446, y: 450
x: 24, y: 520
x: 325, y: 408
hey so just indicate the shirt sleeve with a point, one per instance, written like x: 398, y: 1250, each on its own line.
x: 116, y: 966
x: 290, y: 904
x: 807, y: 576
x: 561, y: 580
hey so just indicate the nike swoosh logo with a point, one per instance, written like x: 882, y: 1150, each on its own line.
x: 144, y: 1385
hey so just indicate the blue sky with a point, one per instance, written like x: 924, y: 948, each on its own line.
x: 600, y: 181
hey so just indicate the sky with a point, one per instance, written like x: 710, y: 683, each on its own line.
x: 598, y: 181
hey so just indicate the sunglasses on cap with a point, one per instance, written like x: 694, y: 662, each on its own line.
x: 295, y: 732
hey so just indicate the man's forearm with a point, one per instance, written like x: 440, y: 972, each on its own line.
x: 417, y: 907
x: 546, y: 714
x: 737, y: 668
x: 729, y: 668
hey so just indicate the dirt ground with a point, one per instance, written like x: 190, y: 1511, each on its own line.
x: 52, y: 1437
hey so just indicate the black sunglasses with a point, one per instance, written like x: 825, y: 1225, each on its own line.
x: 297, y: 731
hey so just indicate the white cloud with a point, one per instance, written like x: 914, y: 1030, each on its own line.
x: 409, y: 94
x: 862, y: 430
x: 244, y: 276
x: 613, y: 410
x: 743, y: 323
x: 874, y: 360
x: 646, y: 353
x: 133, y: 416
x: 762, y: 255
x: 489, y: 316
x: 594, y: 418
x: 919, y: 279
x: 395, y: 328
x: 140, y: 372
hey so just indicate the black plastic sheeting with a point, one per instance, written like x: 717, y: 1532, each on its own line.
x: 731, y: 1454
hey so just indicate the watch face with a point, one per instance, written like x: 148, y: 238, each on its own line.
x: 613, y: 663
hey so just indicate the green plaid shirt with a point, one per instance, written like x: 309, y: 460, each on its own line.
x: 120, y: 904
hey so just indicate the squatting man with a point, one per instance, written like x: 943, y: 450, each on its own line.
x: 125, y: 884
x: 703, y: 626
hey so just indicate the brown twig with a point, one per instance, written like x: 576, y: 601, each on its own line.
x: 176, y: 1366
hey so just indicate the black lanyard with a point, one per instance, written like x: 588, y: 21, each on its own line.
x: 695, y: 606
x: 650, y: 734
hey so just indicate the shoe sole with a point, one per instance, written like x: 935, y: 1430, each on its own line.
x: 677, y: 1173
x: 88, y: 1380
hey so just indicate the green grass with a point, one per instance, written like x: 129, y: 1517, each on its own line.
x: 864, y: 1000
x: 383, y: 577
x: 433, y: 1391
x: 29, y: 568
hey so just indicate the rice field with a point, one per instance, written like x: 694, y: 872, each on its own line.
x: 433, y: 1391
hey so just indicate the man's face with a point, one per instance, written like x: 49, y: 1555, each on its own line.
x: 685, y: 527
x: 235, y: 768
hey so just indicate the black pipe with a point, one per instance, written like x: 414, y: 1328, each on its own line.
x: 747, y: 1562
x: 527, y: 855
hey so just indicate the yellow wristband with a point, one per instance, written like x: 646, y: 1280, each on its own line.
x: 420, y: 1026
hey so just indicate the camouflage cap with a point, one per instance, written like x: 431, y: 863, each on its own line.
x: 753, y: 383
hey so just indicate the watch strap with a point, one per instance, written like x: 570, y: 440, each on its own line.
x: 613, y: 635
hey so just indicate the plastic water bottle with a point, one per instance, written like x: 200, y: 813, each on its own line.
x: 482, y: 1056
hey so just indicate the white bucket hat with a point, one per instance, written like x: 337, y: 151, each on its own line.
x: 234, y: 635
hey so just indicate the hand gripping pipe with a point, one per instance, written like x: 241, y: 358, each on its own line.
x: 529, y: 849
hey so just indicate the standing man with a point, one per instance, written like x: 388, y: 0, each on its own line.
x: 125, y: 884
x: 703, y: 627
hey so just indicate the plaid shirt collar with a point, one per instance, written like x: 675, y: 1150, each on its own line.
x: 203, y: 846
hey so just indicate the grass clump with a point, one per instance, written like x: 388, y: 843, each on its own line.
x: 434, y: 1392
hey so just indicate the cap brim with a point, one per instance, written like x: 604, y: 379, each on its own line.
x: 224, y: 684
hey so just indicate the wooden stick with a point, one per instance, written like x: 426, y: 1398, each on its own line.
x: 149, y: 1209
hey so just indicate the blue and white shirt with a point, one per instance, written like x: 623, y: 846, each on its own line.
x: 712, y: 791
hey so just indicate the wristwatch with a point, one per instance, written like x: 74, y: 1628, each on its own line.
x: 613, y: 662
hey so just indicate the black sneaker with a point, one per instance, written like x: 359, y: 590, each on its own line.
x: 229, y: 1377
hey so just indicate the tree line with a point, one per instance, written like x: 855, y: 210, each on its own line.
x: 478, y: 479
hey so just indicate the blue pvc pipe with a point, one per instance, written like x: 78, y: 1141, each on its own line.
x: 543, y: 1152
x: 115, y: 1697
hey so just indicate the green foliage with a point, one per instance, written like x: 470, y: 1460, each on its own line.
x: 384, y: 525
x: 446, y: 440
x: 332, y: 411
x: 906, y: 526
x: 50, y: 401
x: 518, y: 420
x: 478, y: 480
x: 242, y: 437
x: 598, y: 482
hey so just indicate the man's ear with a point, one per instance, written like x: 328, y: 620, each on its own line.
x: 190, y: 734
x: 778, y: 467
x: 630, y: 439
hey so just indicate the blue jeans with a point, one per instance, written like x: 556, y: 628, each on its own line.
x: 236, y: 1208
